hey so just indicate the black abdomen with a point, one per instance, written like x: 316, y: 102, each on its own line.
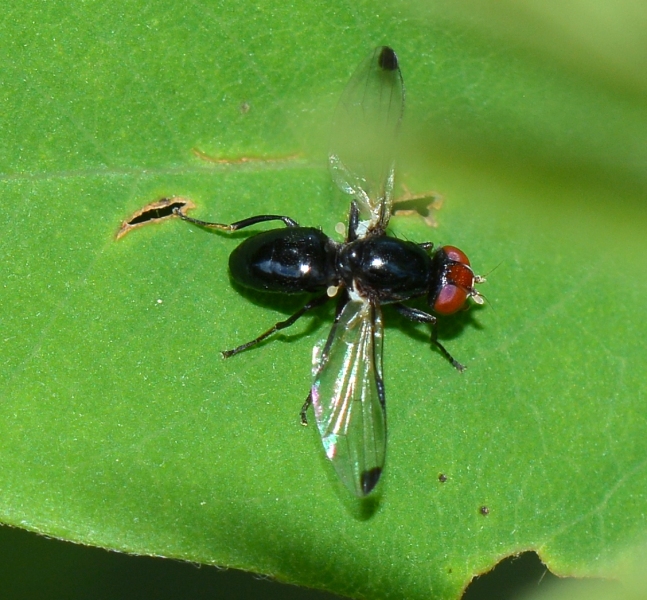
x: 291, y: 260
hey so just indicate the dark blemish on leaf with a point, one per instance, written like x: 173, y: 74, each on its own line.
x: 244, y: 108
x: 241, y: 160
x: 155, y: 212
x: 425, y: 205
x: 484, y: 510
x: 442, y: 478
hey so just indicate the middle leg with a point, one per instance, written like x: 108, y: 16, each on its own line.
x: 278, y: 326
x: 341, y: 303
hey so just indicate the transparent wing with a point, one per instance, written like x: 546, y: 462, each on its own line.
x: 348, y: 396
x: 364, y: 134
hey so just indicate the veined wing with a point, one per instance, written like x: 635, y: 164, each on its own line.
x: 364, y: 134
x: 348, y: 396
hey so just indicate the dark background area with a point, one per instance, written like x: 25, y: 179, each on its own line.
x: 34, y: 567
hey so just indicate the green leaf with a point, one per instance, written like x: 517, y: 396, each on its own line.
x: 121, y: 426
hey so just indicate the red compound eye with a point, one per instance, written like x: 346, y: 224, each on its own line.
x: 461, y: 276
x: 456, y: 255
x: 459, y: 280
x: 450, y: 300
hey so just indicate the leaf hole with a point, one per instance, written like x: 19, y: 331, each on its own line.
x: 155, y: 212
x: 425, y: 205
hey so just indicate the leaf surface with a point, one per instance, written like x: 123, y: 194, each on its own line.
x: 120, y: 424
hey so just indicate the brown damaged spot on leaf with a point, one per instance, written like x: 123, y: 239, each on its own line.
x: 244, y: 159
x: 155, y: 212
x: 425, y: 205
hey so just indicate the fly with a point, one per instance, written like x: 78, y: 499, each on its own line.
x: 366, y: 271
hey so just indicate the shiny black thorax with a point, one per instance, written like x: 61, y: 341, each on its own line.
x: 386, y: 269
x: 303, y: 259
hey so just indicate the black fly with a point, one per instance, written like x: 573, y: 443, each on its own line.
x: 367, y: 270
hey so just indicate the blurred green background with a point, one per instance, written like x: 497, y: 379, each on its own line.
x: 37, y: 568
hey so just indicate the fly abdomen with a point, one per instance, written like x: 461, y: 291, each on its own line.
x: 291, y: 260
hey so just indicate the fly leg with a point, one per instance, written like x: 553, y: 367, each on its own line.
x: 304, y: 409
x: 323, y: 359
x: 238, y: 224
x: 278, y: 326
x: 420, y: 316
x: 353, y: 222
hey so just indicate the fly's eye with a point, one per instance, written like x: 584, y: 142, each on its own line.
x: 459, y: 281
x: 456, y: 255
x: 460, y: 275
x: 450, y: 300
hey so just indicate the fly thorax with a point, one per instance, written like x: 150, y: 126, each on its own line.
x: 349, y: 261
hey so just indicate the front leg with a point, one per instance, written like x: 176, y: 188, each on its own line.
x: 419, y: 316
